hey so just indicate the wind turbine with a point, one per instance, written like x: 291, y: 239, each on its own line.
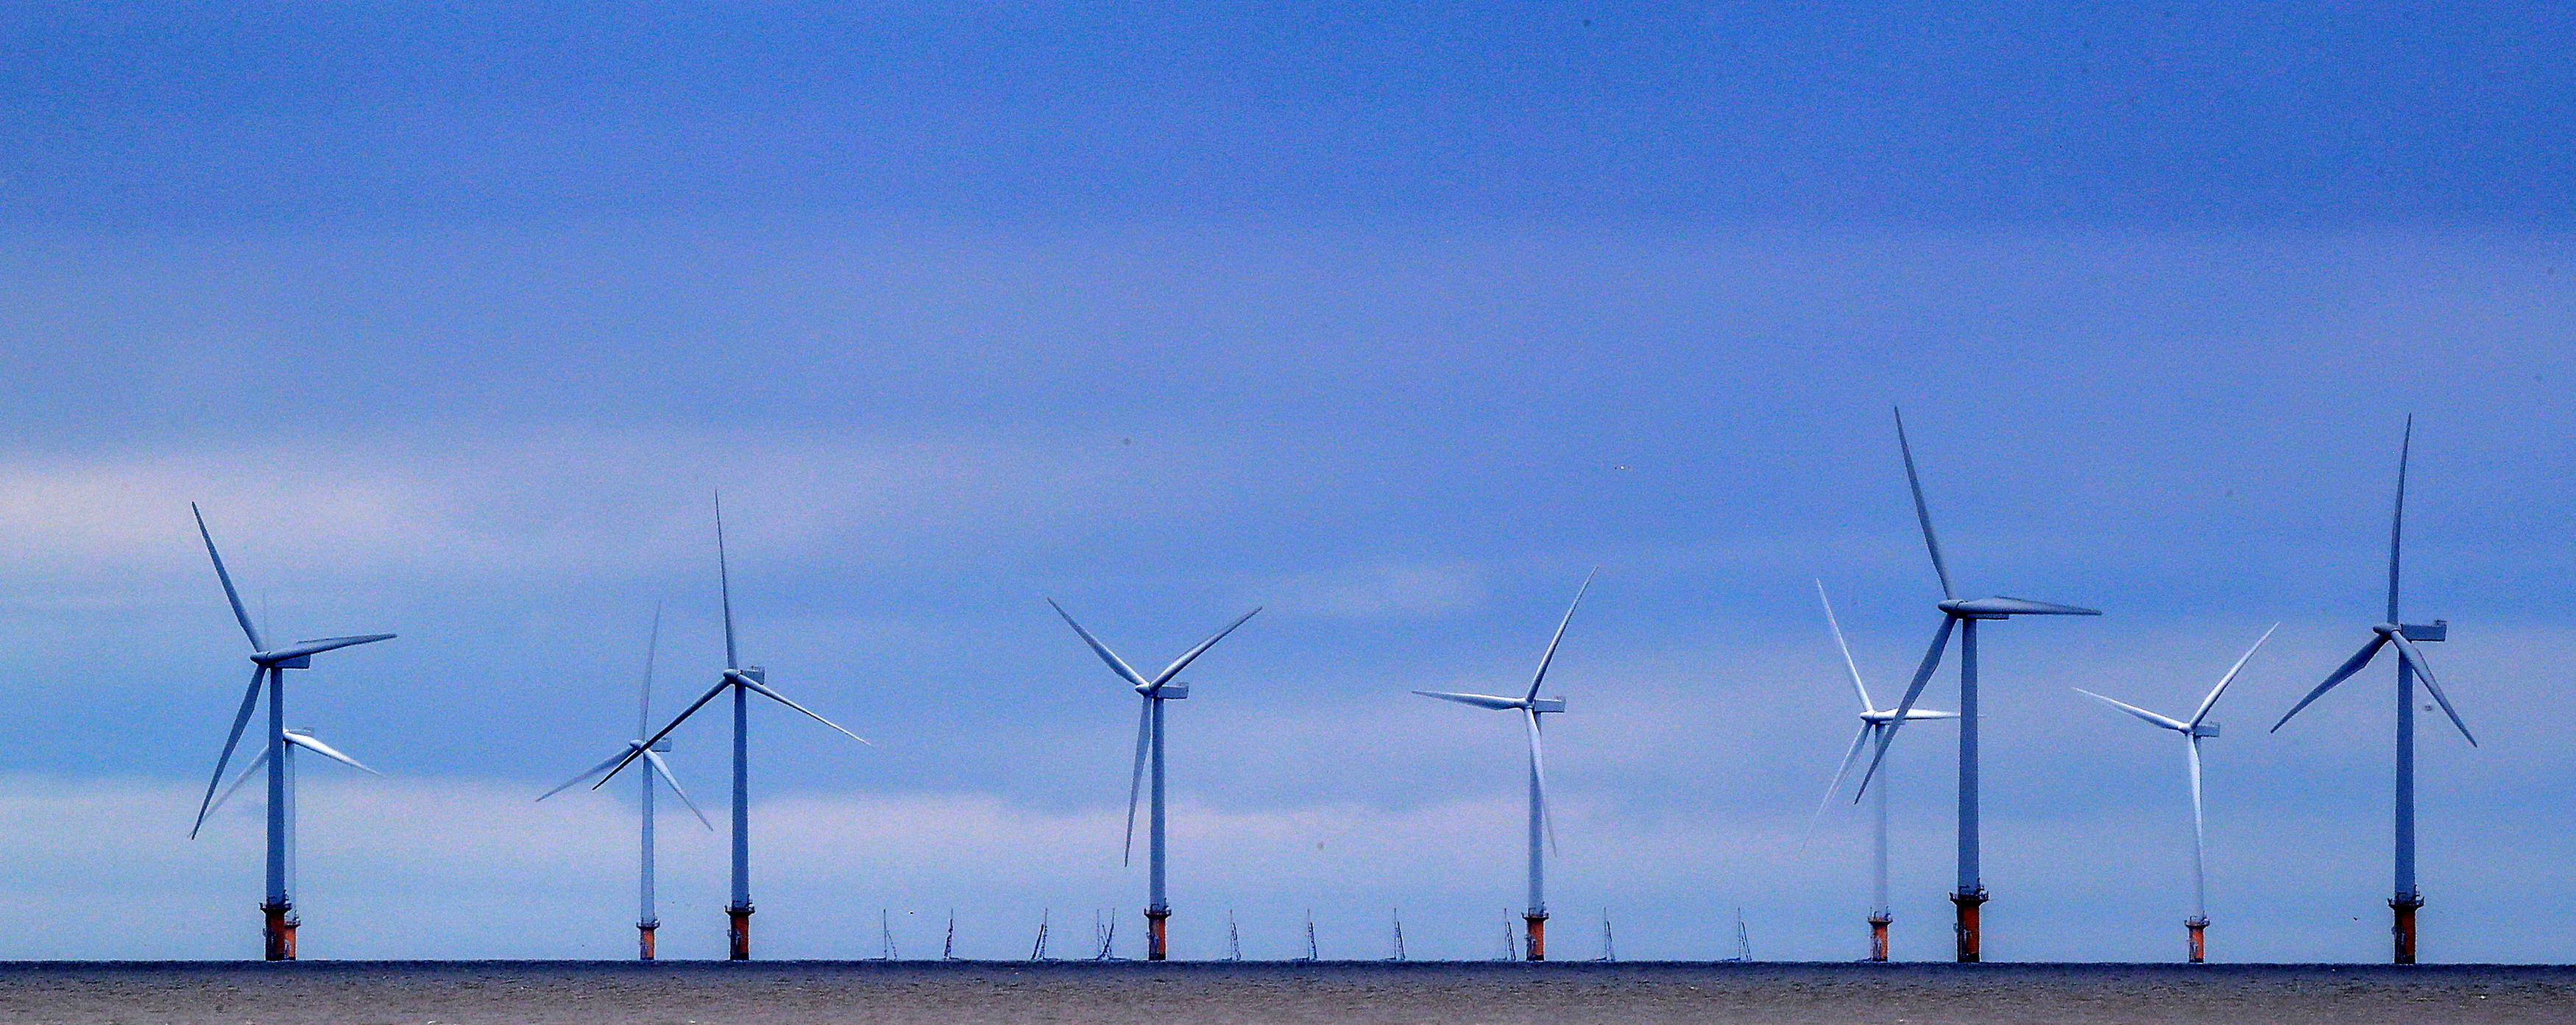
x: 645, y: 920
x: 2193, y: 732
x: 743, y: 681
x: 1149, y: 747
x: 1962, y: 615
x: 268, y: 669
x: 1873, y: 721
x: 2410, y: 664
x: 1531, y: 706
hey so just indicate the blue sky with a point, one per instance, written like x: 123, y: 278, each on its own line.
x: 1393, y: 322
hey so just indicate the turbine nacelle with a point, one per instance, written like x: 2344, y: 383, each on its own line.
x: 2437, y: 630
x: 1167, y: 692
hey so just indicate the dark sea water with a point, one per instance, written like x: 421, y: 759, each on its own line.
x: 1558, y: 994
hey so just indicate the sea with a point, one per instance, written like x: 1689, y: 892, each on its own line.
x: 878, y: 992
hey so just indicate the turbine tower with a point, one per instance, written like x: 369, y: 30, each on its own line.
x: 268, y: 670
x: 2410, y: 665
x: 2193, y: 732
x: 1873, y: 721
x: 1531, y: 706
x: 1149, y: 747
x: 743, y: 681
x: 1961, y: 615
x: 645, y: 920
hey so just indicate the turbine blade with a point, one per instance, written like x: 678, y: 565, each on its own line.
x: 327, y: 751
x: 605, y: 764
x: 1552, y: 642
x: 1858, y: 740
x: 2415, y: 657
x: 663, y: 769
x: 2397, y: 516
x: 2344, y: 672
x: 1905, y: 709
x: 1922, y: 513
x: 250, y: 700
x: 724, y: 586
x: 323, y: 644
x: 2001, y: 605
x: 1116, y: 665
x: 1136, y: 775
x: 1478, y: 700
x: 240, y: 614
x: 644, y: 692
x: 1192, y: 655
x: 2168, y: 722
x: 1538, y: 771
x: 2211, y: 701
x: 665, y: 731
x: 240, y: 781
x: 763, y: 690
x: 1861, y: 688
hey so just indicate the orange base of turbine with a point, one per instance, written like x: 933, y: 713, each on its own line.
x: 738, y: 934
x: 1537, y: 937
x: 1970, y: 930
x: 1155, y: 935
x: 277, y: 934
x: 2404, y: 929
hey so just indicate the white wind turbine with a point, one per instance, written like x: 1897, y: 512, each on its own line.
x: 2410, y: 664
x: 1531, y: 706
x: 743, y: 681
x: 1873, y: 721
x: 646, y: 921
x: 1962, y: 615
x: 268, y: 670
x: 2193, y: 732
x: 1149, y: 748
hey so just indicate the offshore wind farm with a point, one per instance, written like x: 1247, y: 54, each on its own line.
x: 1149, y: 785
x: 1310, y: 351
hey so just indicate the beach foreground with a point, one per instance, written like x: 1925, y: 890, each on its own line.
x: 710, y: 992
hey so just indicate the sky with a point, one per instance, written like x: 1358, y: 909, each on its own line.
x: 1393, y: 322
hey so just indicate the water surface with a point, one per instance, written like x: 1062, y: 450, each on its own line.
x: 681, y: 993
